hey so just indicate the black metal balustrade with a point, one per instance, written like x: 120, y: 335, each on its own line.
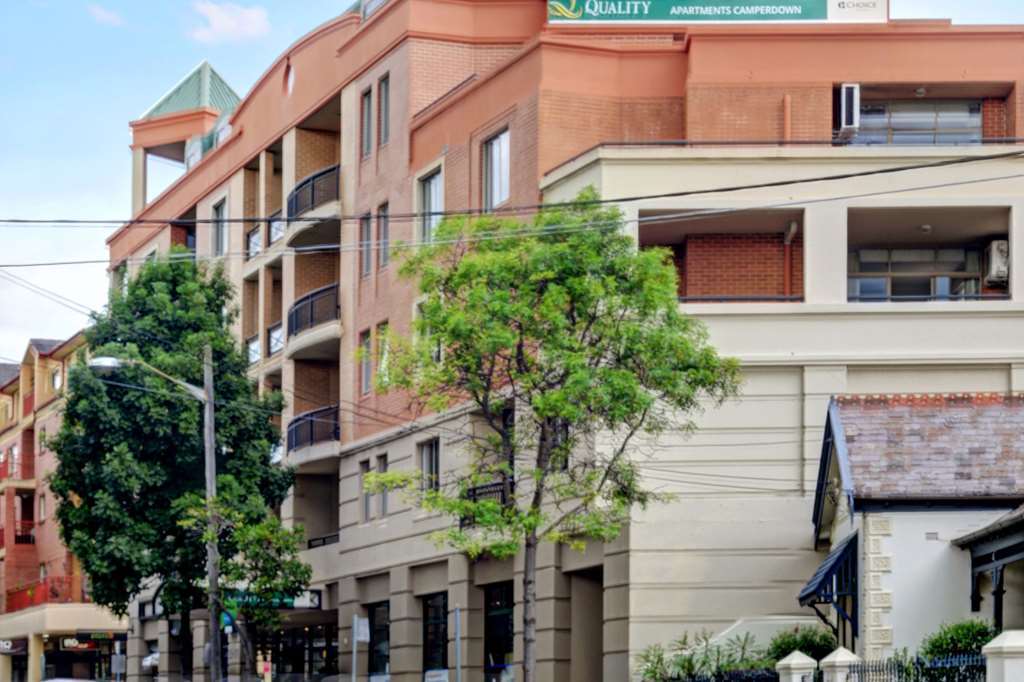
x: 491, y: 491
x: 317, y: 426
x: 314, y: 190
x: 313, y: 543
x: 316, y: 307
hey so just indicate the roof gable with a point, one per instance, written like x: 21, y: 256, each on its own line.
x: 201, y: 87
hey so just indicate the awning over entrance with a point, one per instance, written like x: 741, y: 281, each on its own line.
x: 992, y: 549
x: 834, y: 585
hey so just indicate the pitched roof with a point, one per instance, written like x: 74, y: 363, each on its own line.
x: 45, y: 346
x: 931, y: 446
x: 8, y: 371
x: 201, y: 87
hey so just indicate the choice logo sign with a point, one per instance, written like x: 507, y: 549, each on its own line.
x: 725, y: 11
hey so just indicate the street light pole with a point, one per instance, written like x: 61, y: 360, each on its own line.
x: 205, y: 396
x: 213, y: 530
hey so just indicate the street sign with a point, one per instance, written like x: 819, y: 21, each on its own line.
x: 363, y: 630
x: 718, y: 11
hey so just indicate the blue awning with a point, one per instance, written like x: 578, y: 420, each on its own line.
x: 833, y: 577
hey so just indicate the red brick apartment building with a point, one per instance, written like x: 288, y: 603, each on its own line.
x: 45, y: 607
x: 414, y: 106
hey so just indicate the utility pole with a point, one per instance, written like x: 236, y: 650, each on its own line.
x: 213, y: 529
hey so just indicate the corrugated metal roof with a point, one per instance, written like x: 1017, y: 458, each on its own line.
x: 933, y: 446
x: 201, y: 87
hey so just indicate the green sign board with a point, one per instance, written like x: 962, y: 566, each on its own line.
x: 726, y: 11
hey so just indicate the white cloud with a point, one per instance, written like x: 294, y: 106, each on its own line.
x: 227, y: 22
x: 102, y: 15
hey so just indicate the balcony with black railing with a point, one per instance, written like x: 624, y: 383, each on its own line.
x: 314, y: 427
x: 314, y: 325
x: 314, y: 211
x: 498, y: 492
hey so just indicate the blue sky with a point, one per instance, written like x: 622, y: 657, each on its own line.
x: 75, y: 72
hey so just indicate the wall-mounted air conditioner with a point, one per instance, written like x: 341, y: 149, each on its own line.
x: 997, y: 263
x: 849, y: 110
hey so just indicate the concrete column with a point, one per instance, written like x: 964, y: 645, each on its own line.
x: 406, y: 628
x: 1017, y: 252
x: 200, y: 636
x: 138, y: 180
x: 348, y: 606
x: 236, y: 662
x: 1004, y: 657
x: 135, y: 650
x: 288, y: 178
x: 825, y: 253
x: 795, y: 667
x: 616, y: 609
x: 35, y: 658
x: 6, y: 672
x: 837, y: 664
x: 170, y: 651
x: 466, y: 597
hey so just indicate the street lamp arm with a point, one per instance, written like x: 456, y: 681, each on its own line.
x: 194, y: 391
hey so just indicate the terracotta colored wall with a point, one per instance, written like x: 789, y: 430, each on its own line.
x: 752, y: 112
x: 314, y: 270
x: 740, y: 265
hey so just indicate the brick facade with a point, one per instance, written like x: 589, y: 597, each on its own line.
x: 994, y: 121
x: 739, y: 265
x: 757, y: 112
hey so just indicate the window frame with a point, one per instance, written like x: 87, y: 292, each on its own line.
x: 383, y: 235
x: 491, y: 615
x: 382, y: 497
x: 366, y: 498
x: 431, y: 201
x: 366, y: 123
x: 438, y: 658
x: 57, y: 379
x: 365, y: 245
x: 497, y: 185
x: 384, y: 110
x: 220, y: 232
x: 365, y: 362
x: 429, y: 453
x: 373, y: 657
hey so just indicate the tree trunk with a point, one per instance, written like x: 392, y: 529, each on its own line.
x: 185, y: 645
x: 530, y: 608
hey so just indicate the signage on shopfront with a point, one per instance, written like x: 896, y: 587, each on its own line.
x: 13, y: 647
x: 722, y: 11
x: 75, y: 644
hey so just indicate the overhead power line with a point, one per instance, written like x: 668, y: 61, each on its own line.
x: 510, y: 210
x: 684, y: 215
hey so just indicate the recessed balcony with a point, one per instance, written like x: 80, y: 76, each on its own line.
x: 314, y: 209
x: 314, y: 325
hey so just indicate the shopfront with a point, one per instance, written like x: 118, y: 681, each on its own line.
x: 307, y: 653
x: 82, y: 655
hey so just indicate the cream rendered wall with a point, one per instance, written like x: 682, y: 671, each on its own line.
x: 738, y: 540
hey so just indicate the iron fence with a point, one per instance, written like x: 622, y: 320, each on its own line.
x: 735, y: 676
x: 969, y: 668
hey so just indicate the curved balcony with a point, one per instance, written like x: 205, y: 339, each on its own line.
x: 314, y: 209
x: 313, y: 436
x: 314, y: 325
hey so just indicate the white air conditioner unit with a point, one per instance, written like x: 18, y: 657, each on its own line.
x: 849, y: 110
x: 997, y: 263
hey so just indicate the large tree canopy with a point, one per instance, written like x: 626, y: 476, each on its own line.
x: 130, y: 449
x: 567, y: 325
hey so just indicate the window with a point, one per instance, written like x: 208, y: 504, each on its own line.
x: 384, y: 110
x: 364, y: 470
x: 56, y: 378
x: 380, y: 639
x: 431, y: 205
x: 382, y: 468
x: 914, y: 274
x: 365, y: 363
x: 42, y: 507
x: 920, y: 122
x: 383, y: 236
x: 498, y: 630
x: 383, y: 348
x: 42, y: 572
x: 220, y: 229
x: 435, y: 348
x: 365, y: 246
x: 435, y: 632
x: 366, y: 130
x: 120, y: 279
x: 496, y: 170
x: 430, y: 463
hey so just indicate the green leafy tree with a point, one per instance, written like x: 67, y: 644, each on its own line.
x: 567, y: 325
x: 958, y: 639
x: 263, y: 569
x: 814, y: 641
x: 130, y: 448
